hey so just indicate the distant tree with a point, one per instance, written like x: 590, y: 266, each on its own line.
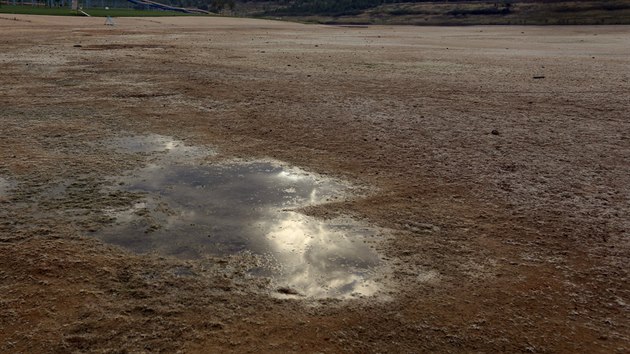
x: 219, y: 5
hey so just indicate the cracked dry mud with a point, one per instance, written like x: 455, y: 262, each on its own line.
x: 506, y: 199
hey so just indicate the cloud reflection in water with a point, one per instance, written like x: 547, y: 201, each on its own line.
x: 191, y: 210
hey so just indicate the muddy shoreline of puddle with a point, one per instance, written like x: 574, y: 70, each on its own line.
x: 191, y: 210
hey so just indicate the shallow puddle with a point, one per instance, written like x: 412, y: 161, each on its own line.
x: 155, y: 143
x: 191, y: 210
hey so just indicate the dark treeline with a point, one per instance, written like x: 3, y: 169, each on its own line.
x: 328, y: 7
x: 341, y: 7
x: 210, y: 5
x: 355, y: 7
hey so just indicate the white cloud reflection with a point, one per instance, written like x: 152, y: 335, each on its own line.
x: 319, y: 261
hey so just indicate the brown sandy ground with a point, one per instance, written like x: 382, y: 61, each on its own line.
x: 516, y: 241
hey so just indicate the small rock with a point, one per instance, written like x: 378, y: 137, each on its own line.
x: 494, y: 132
x: 77, y: 46
x: 287, y: 291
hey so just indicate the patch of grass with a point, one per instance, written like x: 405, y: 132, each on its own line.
x: 490, y: 10
x: 96, y: 12
x: 34, y: 10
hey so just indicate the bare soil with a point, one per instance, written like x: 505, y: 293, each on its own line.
x: 507, y: 197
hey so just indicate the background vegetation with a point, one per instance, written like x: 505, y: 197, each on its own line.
x: 414, y: 12
x: 454, y: 12
x: 97, y: 12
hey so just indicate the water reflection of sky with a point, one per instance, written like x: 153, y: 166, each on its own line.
x: 154, y: 143
x: 191, y: 211
x: 146, y: 143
